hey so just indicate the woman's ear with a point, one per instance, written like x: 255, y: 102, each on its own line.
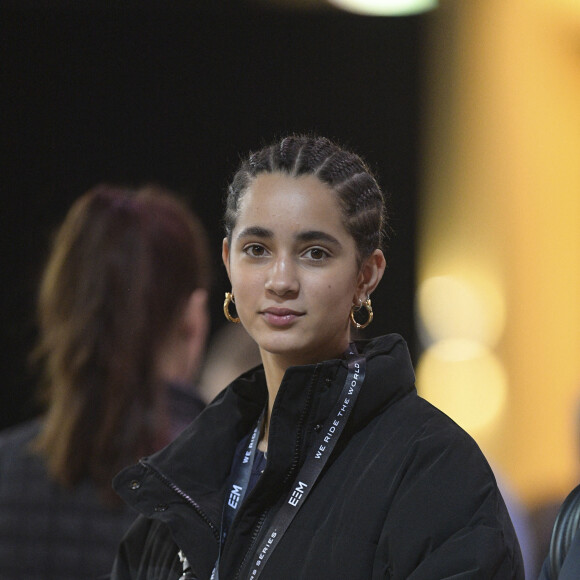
x: 226, y: 256
x: 370, y: 275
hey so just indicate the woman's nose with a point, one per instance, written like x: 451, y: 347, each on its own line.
x: 282, y: 277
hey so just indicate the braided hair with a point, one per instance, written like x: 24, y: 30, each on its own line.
x: 361, y: 200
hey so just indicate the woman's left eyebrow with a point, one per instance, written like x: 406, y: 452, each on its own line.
x: 317, y: 236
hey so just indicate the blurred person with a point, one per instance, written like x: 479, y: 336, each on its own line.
x: 123, y: 319
x: 323, y: 462
x: 556, y: 523
x: 231, y: 351
x: 562, y: 561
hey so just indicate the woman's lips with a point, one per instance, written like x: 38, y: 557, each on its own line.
x: 280, y: 316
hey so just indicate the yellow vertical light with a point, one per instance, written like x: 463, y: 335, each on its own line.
x: 501, y: 213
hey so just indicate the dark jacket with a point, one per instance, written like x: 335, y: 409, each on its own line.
x: 405, y: 494
x: 48, y: 532
x: 563, y: 559
x: 569, y: 568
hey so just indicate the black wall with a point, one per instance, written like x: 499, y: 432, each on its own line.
x: 174, y: 92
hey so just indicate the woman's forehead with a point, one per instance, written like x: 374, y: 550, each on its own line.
x: 278, y: 201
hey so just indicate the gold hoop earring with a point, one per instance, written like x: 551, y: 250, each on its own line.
x: 230, y: 298
x: 367, y: 305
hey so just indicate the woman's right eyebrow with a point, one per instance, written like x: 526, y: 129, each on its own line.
x: 255, y: 232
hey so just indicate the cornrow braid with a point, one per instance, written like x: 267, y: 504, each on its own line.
x: 361, y: 200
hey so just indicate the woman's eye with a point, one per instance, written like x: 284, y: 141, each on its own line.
x: 316, y: 254
x: 255, y: 250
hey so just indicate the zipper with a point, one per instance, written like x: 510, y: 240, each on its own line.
x: 301, y: 421
x: 255, y: 534
x: 183, y: 495
x: 291, y: 470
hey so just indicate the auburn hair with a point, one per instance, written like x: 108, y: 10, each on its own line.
x: 122, y: 266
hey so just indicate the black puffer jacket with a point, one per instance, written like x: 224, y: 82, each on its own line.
x: 405, y: 494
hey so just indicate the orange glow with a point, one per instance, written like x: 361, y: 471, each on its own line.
x: 501, y: 196
x: 465, y: 380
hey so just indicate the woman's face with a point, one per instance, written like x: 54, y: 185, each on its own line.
x: 293, y: 268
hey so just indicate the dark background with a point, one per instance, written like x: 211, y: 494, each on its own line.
x: 175, y: 92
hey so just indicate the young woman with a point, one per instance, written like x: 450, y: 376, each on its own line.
x: 122, y: 327
x: 322, y: 462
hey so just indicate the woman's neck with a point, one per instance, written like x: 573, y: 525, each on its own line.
x: 274, y: 369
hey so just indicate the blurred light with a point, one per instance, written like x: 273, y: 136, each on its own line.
x: 385, y: 7
x: 465, y: 380
x: 453, y: 307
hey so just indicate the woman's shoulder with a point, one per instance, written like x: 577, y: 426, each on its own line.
x: 16, y: 438
x: 436, y: 427
x: 426, y: 432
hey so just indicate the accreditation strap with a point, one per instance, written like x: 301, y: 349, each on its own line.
x: 238, y: 489
x: 314, y: 463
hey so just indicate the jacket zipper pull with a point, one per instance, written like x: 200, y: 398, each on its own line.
x: 188, y: 573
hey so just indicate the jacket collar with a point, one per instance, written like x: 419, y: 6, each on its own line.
x: 198, y: 463
x: 389, y: 376
x: 201, y: 456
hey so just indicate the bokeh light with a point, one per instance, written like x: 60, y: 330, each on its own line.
x: 453, y: 306
x: 385, y: 7
x: 465, y: 380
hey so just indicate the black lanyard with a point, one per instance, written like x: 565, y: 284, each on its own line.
x: 238, y: 490
x: 309, y: 473
x: 314, y: 463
